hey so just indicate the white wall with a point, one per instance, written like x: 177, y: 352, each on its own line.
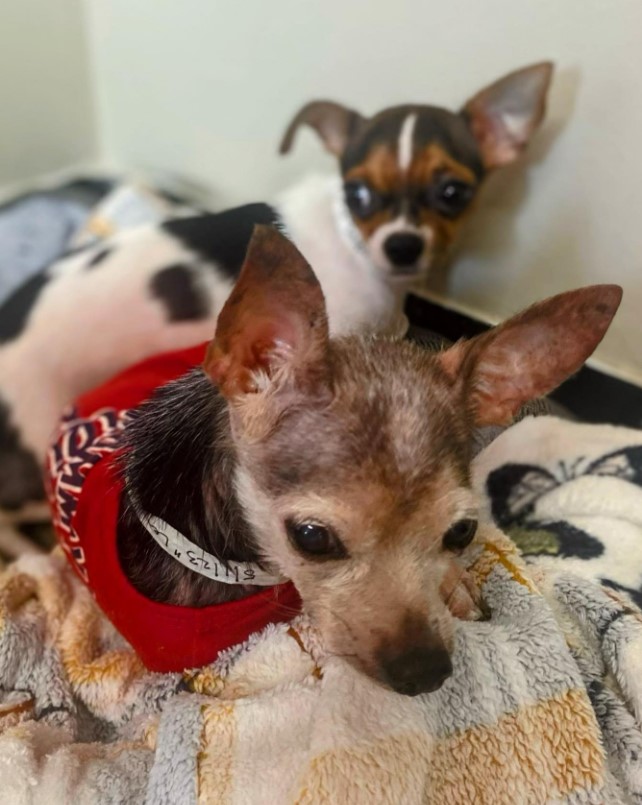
x: 47, y: 112
x: 204, y: 88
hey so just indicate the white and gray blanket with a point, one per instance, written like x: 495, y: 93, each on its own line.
x: 544, y: 706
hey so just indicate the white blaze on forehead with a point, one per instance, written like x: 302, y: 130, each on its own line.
x: 404, y: 146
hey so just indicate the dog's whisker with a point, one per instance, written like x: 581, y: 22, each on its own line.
x: 284, y: 609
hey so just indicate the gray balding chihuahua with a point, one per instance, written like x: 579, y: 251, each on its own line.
x: 346, y: 460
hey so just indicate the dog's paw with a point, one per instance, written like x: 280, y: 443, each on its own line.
x: 464, y: 599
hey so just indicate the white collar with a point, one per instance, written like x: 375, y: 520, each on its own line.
x: 194, y: 558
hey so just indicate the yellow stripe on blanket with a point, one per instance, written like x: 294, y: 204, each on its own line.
x: 499, y: 550
x: 387, y: 772
x: 542, y: 753
x: 215, y: 757
x: 539, y: 754
x: 86, y: 658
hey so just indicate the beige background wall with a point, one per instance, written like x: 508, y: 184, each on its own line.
x: 203, y: 88
x: 46, y: 103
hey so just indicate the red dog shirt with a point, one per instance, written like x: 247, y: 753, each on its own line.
x: 84, y: 493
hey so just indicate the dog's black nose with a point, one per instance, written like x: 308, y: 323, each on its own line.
x: 419, y: 670
x: 403, y: 248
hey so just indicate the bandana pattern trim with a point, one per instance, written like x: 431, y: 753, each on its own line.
x: 79, y: 445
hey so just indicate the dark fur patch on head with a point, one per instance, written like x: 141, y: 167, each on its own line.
x: 451, y: 131
x: 179, y: 465
x: 383, y: 129
x: 434, y: 125
x: 14, y: 313
x: 20, y: 473
x: 222, y: 238
x: 177, y: 288
x: 99, y: 257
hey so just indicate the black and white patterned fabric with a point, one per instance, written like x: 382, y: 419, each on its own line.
x: 570, y: 495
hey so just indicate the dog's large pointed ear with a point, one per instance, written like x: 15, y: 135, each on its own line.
x: 530, y: 354
x: 504, y: 116
x: 335, y: 124
x: 273, y: 329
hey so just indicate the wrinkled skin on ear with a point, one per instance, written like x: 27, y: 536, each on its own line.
x: 532, y: 353
x: 273, y: 327
x: 335, y: 124
x: 504, y: 115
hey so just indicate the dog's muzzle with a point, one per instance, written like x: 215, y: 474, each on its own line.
x: 403, y: 249
x: 418, y: 670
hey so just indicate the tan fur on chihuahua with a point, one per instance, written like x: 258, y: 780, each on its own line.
x: 354, y: 454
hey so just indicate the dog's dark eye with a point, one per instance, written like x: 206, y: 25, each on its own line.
x: 459, y: 535
x: 361, y: 199
x: 315, y: 540
x: 452, y: 197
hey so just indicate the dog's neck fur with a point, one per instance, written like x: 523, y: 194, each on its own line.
x: 179, y: 465
x: 359, y: 298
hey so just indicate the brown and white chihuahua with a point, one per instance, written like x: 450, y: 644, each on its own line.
x: 341, y: 463
x: 410, y: 174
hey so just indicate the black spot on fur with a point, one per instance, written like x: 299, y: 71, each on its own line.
x: 222, y: 238
x: 178, y: 288
x: 20, y: 474
x: 16, y: 309
x: 99, y: 257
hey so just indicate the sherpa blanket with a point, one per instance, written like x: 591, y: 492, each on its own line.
x: 544, y: 706
x: 570, y: 495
